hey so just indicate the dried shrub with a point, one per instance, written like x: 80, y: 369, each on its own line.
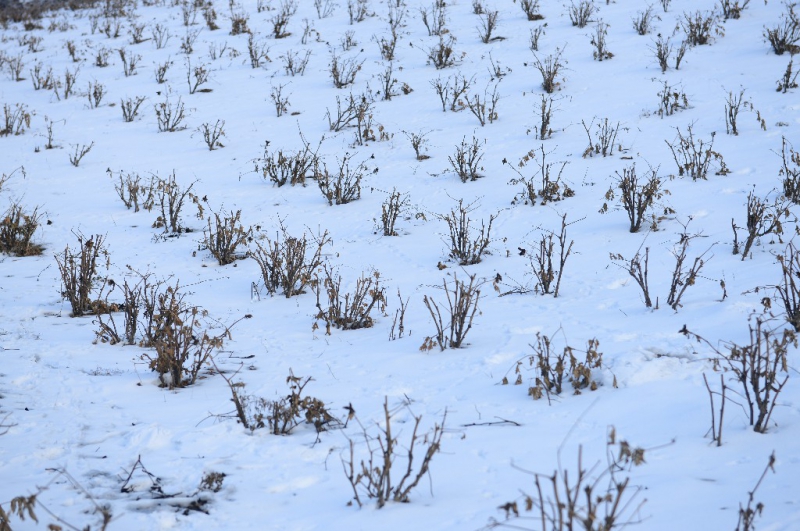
x: 280, y: 20
x: 545, y: 186
x: 343, y: 70
x: 224, y: 235
x: 435, y: 18
x: 694, y: 156
x: 347, y: 311
x: 78, y: 270
x: 671, y: 100
x: 789, y: 79
x: 644, y: 21
x: 683, y: 277
x: 785, y: 36
x: 170, y: 198
x: 598, y: 41
x: 170, y: 116
x: 343, y: 185
x: 701, y: 27
x: 549, y: 69
x: 732, y: 9
x: 131, y: 189
x: 290, y: 167
x: 391, y: 209
x: 289, y: 263
x: 212, y: 134
x: 15, y: 119
x: 637, y: 196
x: 81, y: 150
x: 580, y: 15
x: 763, y: 219
x: 442, y: 55
x: 548, y: 278
x: 604, y: 139
x: 531, y: 9
x: 17, y: 228
x: 462, y: 306
x: 789, y: 289
x: 790, y: 171
x: 371, y: 477
x: 466, y: 160
x: 464, y: 246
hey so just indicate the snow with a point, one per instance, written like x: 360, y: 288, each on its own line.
x: 93, y: 409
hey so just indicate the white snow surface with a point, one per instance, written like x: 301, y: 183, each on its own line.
x: 92, y: 409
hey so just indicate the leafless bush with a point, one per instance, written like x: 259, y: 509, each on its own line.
x: 170, y: 116
x: 15, y: 67
x: 693, y: 157
x: 665, y: 5
x: 130, y: 189
x: 188, y: 40
x: 789, y: 79
x: 701, y: 28
x: 683, y: 277
x: 372, y: 476
x: 763, y: 219
x: 224, y: 235
x: 531, y: 9
x: 212, y: 134
x: 548, y: 279
x: 293, y: 168
x: 357, y: 10
x: 343, y: 71
x: 601, y: 52
x: 789, y: 289
x: 435, y: 18
x: 129, y: 62
x: 451, y: 95
x: 594, y: 498
x: 671, y: 99
x: 95, y: 93
x: 484, y: 108
x: 638, y: 268
x: 280, y: 20
x: 462, y: 306
x: 101, y: 59
x: 760, y: 367
x: 210, y: 16
x: 348, y: 40
x: 733, y: 105
x: 785, y: 36
x: 488, y: 26
x: 644, y: 20
x: 196, y: 76
x: 257, y: 51
x: 17, y: 228
x: 68, y: 86
x: 294, y: 63
x: 239, y: 19
x: 790, y: 171
x: 73, y: 51
x: 289, y: 263
x: 441, y: 55
x: 391, y: 209
x: 580, y: 14
x: 130, y: 107
x: 747, y: 516
x: 732, y: 8
x: 536, y: 34
x: 465, y: 244
x: 545, y: 112
x: 15, y: 119
x: 347, y: 311
x: 160, y: 35
x: 389, y: 82
x: 344, y: 184
x: 81, y: 150
x: 161, y: 71
x: 546, y: 186
x: 78, y: 270
x: 637, y: 195
x: 170, y: 198
x: 549, y: 69
x: 466, y: 160
x: 42, y: 80
x: 137, y: 33
x: 418, y: 142
x: 604, y: 140
x: 325, y: 8
x: 388, y: 45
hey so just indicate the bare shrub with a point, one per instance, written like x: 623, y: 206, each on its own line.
x: 95, y: 93
x: 760, y: 367
x: 693, y: 156
x: 638, y: 195
x: 789, y: 288
x: 466, y: 160
x: 212, y: 134
x: 545, y: 186
x: 137, y: 33
x: 294, y: 63
x: 638, y: 268
x: 462, y: 306
x: 294, y: 168
x: 224, y: 235
x: 101, y: 59
x: 435, y: 18
x: 257, y: 51
x: 604, y: 139
x: 785, y: 36
x: 129, y: 62
x: 671, y: 100
x: 81, y: 150
x: 131, y: 190
x: 683, y: 277
x: 343, y: 185
x: 130, y: 107
x: 170, y: 198
x: 280, y: 20
x: 790, y: 171
x: 442, y: 55
x: 763, y: 219
x: 15, y: 67
x: 170, y: 116
x: 549, y: 69
x: 17, y: 228
x: 464, y: 246
x: 548, y: 278
x: 536, y: 34
x: 347, y: 311
x: 598, y: 41
x: 325, y: 8
x: 78, y: 270
x: 488, y: 26
x: 68, y: 85
x: 42, y: 80
x: 357, y: 10
x: 289, y: 263
x: 371, y: 477
x: 747, y: 515
x: 16, y: 119
x: 701, y: 27
x: 351, y: 114
x: 210, y: 16
x: 188, y: 40
x: 239, y: 18
x: 280, y: 101
x: 160, y: 35
x: 644, y: 21
x: 391, y: 209
x: 343, y: 70
x: 418, y: 142
x: 580, y: 15
x: 531, y: 9
x: 732, y: 9
x: 452, y: 91
x: 161, y: 71
x: 789, y: 79
x: 196, y: 76
x: 581, y: 498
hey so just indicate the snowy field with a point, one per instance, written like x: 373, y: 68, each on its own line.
x: 90, y: 427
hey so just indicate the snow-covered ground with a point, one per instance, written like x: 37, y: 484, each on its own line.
x: 97, y: 412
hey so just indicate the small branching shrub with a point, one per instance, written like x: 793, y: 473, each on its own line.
x: 466, y: 160
x: 371, y: 476
x: 462, y: 306
x: 464, y: 246
x: 435, y: 18
x: 732, y: 9
x: 131, y: 190
x: 484, y: 108
x: 170, y: 116
x: 289, y: 263
x: 343, y: 184
x: 604, y: 139
x: 701, y: 27
x: 546, y: 185
x: 343, y: 70
x: 291, y: 167
x: 644, y: 21
x: 170, y: 198
x: 683, y: 276
x: 671, y: 99
x: 442, y: 54
x: 790, y: 171
x: 212, y: 134
x: 546, y: 266
x: 347, y: 311
x: 637, y: 195
x: 16, y: 119
x: 130, y: 107
x: 581, y: 14
x: 78, y: 270
x: 81, y: 150
x: 392, y: 208
x: 531, y: 10
x: 599, y: 42
x: 785, y: 36
x: 694, y: 156
x: 17, y: 228
x: 294, y: 63
x: 549, y: 68
x: 789, y: 289
x: 789, y: 79
x: 224, y: 235
x: 763, y: 218
x: 280, y: 20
